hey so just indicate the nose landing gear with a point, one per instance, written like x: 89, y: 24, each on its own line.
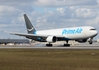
x: 90, y: 40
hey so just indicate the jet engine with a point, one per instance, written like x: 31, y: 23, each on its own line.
x: 51, y: 39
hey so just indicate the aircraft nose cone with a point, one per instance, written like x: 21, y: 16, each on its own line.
x: 95, y: 33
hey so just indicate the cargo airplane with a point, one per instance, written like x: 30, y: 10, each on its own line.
x: 81, y: 34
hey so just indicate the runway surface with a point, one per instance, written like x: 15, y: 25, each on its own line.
x: 42, y: 46
x: 30, y: 47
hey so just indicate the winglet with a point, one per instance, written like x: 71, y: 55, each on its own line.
x: 30, y: 27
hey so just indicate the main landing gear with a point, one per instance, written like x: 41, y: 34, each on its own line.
x: 49, y: 45
x: 67, y: 45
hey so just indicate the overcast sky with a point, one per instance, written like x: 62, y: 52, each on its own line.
x: 47, y: 14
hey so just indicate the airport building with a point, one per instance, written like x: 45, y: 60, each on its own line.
x: 14, y: 41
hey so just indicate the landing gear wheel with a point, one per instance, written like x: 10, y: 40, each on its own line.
x: 49, y: 45
x: 90, y: 42
x: 67, y: 45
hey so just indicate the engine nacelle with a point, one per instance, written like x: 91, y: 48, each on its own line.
x: 51, y: 39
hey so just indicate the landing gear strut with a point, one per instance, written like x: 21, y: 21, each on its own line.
x: 67, y: 45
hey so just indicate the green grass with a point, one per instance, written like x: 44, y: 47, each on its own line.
x: 33, y: 59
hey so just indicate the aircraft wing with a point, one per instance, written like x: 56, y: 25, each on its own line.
x: 34, y: 36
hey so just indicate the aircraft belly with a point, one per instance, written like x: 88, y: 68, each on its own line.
x: 76, y: 36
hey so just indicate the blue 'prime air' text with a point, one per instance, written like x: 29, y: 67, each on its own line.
x: 72, y: 31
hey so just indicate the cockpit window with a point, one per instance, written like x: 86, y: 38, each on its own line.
x: 92, y: 29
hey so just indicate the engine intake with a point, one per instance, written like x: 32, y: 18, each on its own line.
x: 51, y: 39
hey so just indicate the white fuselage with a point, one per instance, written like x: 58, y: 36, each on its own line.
x: 83, y: 32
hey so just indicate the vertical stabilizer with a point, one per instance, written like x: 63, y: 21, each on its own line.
x: 30, y: 27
